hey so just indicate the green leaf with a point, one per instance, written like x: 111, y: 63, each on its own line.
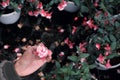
x: 57, y: 64
x: 92, y: 66
x: 66, y: 78
x: 63, y: 70
x: 117, y: 24
x: 113, y: 45
x: 101, y: 30
x: 112, y: 55
x: 106, y: 38
x: 73, y: 58
x: 84, y: 55
x: 111, y: 0
x: 84, y: 9
x: 112, y: 38
x: 77, y: 2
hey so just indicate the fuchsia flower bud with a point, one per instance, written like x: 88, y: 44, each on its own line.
x: 108, y: 65
x: 101, y: 58
x: 97, y: 46
x: 6, y: 46
x: 62, y: 5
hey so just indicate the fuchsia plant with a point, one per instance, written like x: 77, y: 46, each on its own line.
x: 92, y: 35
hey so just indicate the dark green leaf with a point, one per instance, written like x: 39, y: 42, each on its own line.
x: 73, y: 58
x: 84, y: 9
x: 112, y: 55
x: 112, y: 38
x: 92, y: 66
x: 57, y: 64
x: 77, y: 2
x: 84, y: 55
x: 113, y: 45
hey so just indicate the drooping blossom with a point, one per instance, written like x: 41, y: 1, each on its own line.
x: 61, y: 30
x: 42, y: 51
x: 62, y: 5
x: 82, y: 47
x: 6, y: 46
x: 108, y: 65
x: 30, y: 13
x: 16, y: 50
x: 43, y: 13
x: 48, y: 15
x: 5, y: 3
x: 107, y: 53
x: 61, y: 54
x: 69, y: 43
x: 19, y: 7
x: 74, y: 29
x: 89, y: 23
x: 40, y: 5
x: 36, y: 13
x: 97, y: 46
x: 76, y: 18
x: 107, y: 47
x: 101, y: 58
x: 96, y: 4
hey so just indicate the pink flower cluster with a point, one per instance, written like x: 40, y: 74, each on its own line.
x: 90, y: 24
x: 69, y: 43
x: 101, y: 58
x: 5, y: 3
x: 62, y: 5
x: 42, y: 51
x: 39, y: 11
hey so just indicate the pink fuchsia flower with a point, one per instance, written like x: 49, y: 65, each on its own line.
x: 61, y: 30
x: 96, y: 4
x: 108, y: 65
x: 62, y: 5
x: 48, y: 15
x: 6, y: 46
x: 74, y: 29
x: 107, y: 53
x: 69, y: 43
x: 42, y: 51
x: 40, y: 5
x: 82, y: 47
x: 30, y: 13
x: 43, y: 13
x: 76, y: 18
x: 16, y: 50
x: 89, y: 23
x: 5, y: 3
x: 19, y: 7
x: 61, y: 54
x: 107, y: 48
x: 97, y: 46
x: 36, y: 13
x: 101, y: 58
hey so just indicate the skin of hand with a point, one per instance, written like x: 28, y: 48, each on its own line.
x: 28, y: 63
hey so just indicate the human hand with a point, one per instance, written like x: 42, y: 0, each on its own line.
x: 30, y: 62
